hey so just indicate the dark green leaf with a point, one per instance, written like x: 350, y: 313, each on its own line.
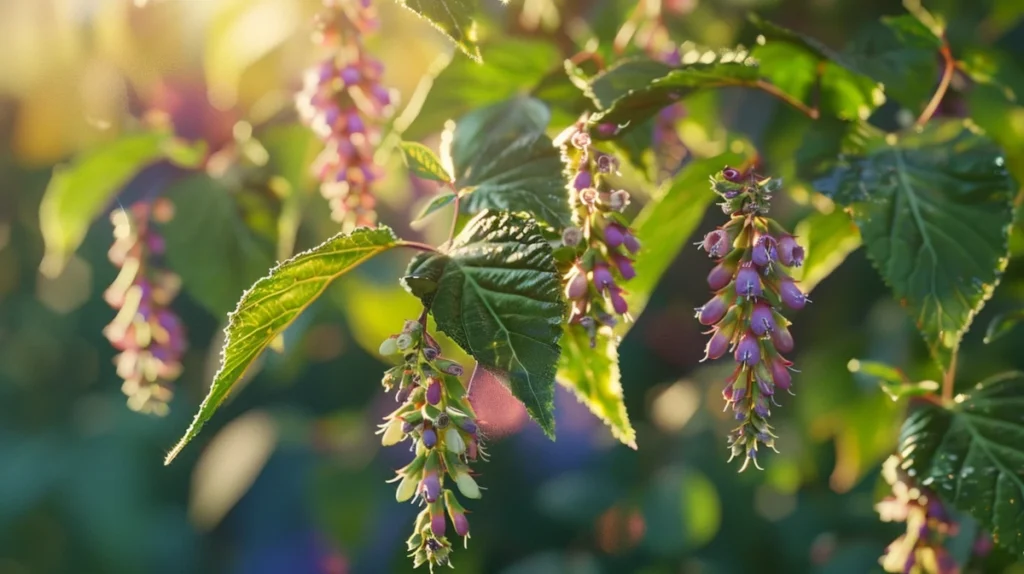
x: 79, y: 192
x: 209, y: 245
x: 1002, y: 323
x: 813, y: 46
x: 901, y: 53
x: 827, y: 239
x: 669, y: 219
x: 498, y: 295
x: 438, y: 202
x: 501, y: 153
x: 972, y: 455
x: 274, y: 302
x: 424, y: 163
x: 934, y: 213
x: 453, y: 18
x: 593, y: 375
x: 633, y: 91
x: 513, y: 65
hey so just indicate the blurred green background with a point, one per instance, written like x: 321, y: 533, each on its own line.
x: 289, y: 477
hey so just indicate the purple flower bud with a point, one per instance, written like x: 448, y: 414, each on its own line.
x: 614, y: 235
x: 748, y: 351
x: 717, y: 345
x: 731, y: 174
x: 468, y: 425
x: 618, y: 303
x: 350, y: 75
x: 429, y: 438
x: 716, y: 243
x: 790, y: 252
x: 461, y: 523
x: 437, y: 524
x: 713, y: 311
x: 780, y: 374
x: 720, y: 276
x: 403, y: 393
x: 791, y: 295
x: 407, y: 427
x: 631, y: 243
x: 583, y: 180
x: 761, y: 319
x: 764, y: 384
x: 431, y: 486
x: 738, y: 393
x: 761, y: 409
x: 382, y: 94
x: 748, y: 282
x: 602, y: 277
x: 576, y: 288
x: 434, y: 391
x: 782, y: 339
x: 607, y: 163
x: 625, y: 266
x: 764, y: 251
x: 607, y: 129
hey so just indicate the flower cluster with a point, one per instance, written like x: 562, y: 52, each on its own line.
x: 751, y: 285
x: 603, y: 242
x: 436, y: 417
x: 921, y: 549
x: 149, y: 336
x: 343, y: 101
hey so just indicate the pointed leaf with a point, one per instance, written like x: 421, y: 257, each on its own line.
x: 894, y: 382
x: 902, y: 54
x: 424, y: 162
x: 593, y: 375
x: 209, y: 246
x: 811, y: 45
x: 453, y: 18
x: 1002, y: 323
x: 934, y: 213
x: 827, y: 240
x: 972, y: 455
x: 498, y: 295
x: 80, y: 191
x: 274, y: 302
x: 436, y: 203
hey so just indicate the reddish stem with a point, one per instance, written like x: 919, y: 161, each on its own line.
x: 940, y: 92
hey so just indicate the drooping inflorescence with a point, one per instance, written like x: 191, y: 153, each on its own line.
x: 148, y: 334
x: 751, y: 286
x: 603, y: 241
x: 344, y: 103
x: 436, y: 417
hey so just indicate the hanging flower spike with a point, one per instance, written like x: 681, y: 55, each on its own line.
x: 929, y: 524
x: 604, y: 243
x: 149, y: 336
x: 435, y: 415
x: 750, y: 285
x: 344, y: 103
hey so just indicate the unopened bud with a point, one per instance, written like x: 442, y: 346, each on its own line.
x: 624, y: 265
x: 602, y: 277
x: 748, y: 351
x: 431, y: 486
x: 780, y: 374
x: 576, y: 288
x: 453, y: 441
x: 717, y: 345
x: 582, y: 180
x: 713, y: 311
x: 403, y: 341
x: 406, y: 488
x: 434, y: 391
x: 790, y: 252
x: 791, y: 295
x: 731, y: 174
x: 614, y: 235
x: 429, y: 438
x: 716, y: 243
x: 748, y: 283
x: 618, y: 302
x: 450, y: 367
x: 761, y: 319
x: 631, y: 243
x: 720, y: 276
x: 782, y: 339
x: 388, y: 347
x: 607, y: 163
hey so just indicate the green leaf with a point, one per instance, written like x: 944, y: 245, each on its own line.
x: 593, y: 375
x: 274, y: 302
x: 499, y: 296
x: 438, y: 202
x: 453, y: 18
x: 635, y: 90
x: 827, y: 240
x: 502, y: 154
x: 209, y: 245
x: 1002, y: 323
x: 810, y: 45
x: 972, y: 455
x: 80, y: 191
x: 291, y: 149
x: 424, y: 163
x: 901, y: 53
x: 934, y: 213
x: 512, y: 66
x: 893, y: 382
x: 669, y: 219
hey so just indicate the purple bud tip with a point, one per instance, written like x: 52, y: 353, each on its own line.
x: 748, y: 352
x: 762, y: 410
x: 437, y: 525
x: 454, y: 369
x: 717, y: 346
x: 631, y: 243
x: 765, y: 386
x: 614, y: 235
x: 407, y: 427
x: 761, y: 319
x: 748, y: 283
x: 625, y: 266
x: 791, y: 295
x: 468, y: 426
x: 720, y: 276
x: 431, y: 486
x: 434, y: 392
x: 738, y: 393
x: 731, y: 174
x: 713, y: 311
x: 577, y: 287
x: 764, y: 251
x: 716, y: 243
x: 780, y: 374
x: 607, y: 129
x: 618, y: 303
x: 782, y: 339
x: 790, y: 253
x: 429, y: 438
x: 602, y: 277
x: 355, y: 123
x: 461, y: 524
x: 583, y: 180
x: 350, y: 76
